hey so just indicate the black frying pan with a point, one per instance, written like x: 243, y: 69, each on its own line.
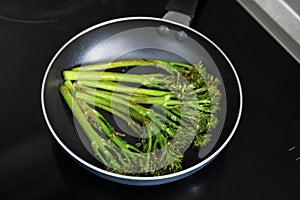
x: 169, y: 38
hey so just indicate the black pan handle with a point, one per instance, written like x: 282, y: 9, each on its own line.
x: 181, y: 11
x: 187, y: 7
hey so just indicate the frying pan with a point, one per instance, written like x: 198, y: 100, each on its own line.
x: 169, y: 38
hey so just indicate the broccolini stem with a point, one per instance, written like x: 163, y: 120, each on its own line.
x: 125, y: 63
x: 143, y: 79
x: 101, y: 125
x: 118, y: 87
x: 98, y: 144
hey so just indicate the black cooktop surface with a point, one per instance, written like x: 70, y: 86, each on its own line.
x: 261, y: 161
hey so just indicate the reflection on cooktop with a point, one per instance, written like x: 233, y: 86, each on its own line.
x: 46, y: 11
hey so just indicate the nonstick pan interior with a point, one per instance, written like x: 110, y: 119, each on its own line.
x: 139, y: 38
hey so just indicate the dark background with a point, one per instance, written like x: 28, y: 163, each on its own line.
x: 256, y: 164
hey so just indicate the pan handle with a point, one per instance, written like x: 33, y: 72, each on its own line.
x: 181, y: 11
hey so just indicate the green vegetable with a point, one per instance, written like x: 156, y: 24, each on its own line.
x: 168, y: 112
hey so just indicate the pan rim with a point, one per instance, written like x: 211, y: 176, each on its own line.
x: 191, y: 169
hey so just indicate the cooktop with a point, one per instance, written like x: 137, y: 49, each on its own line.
x: 261, y: 161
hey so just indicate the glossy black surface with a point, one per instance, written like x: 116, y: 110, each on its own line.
x: 259, y: 163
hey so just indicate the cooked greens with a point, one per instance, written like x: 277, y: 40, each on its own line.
x: 168, y: 111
